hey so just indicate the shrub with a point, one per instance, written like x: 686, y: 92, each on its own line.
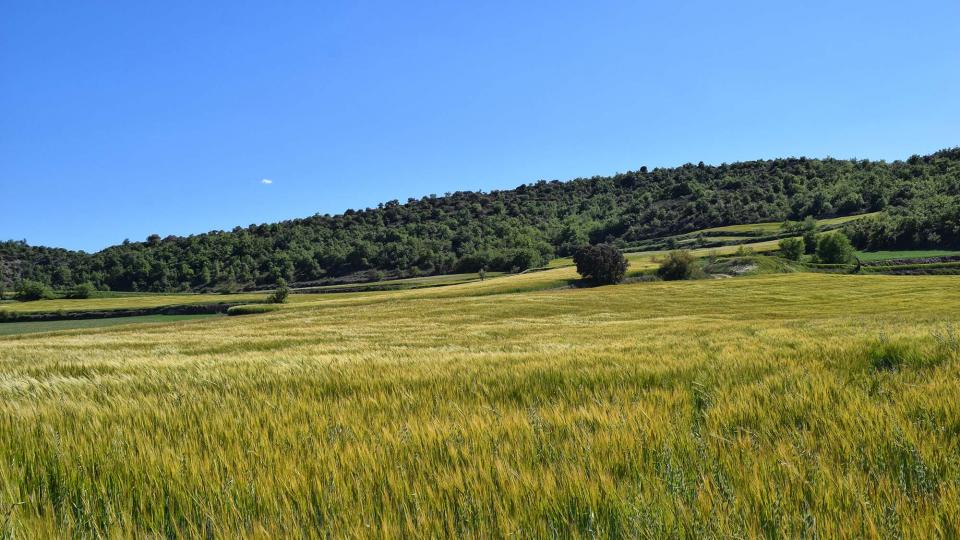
x: 601, y: 263
x: 228, y: 287
x: 678, y: 265
x: 83, y: 290
x: 809, y: 227
x: 834, y: 249
x: 792, y: 248
x: 251, y: 309
x: 33, y: 290
x: 523, y: 259
x: 791, y: 227
x: 281, y: 292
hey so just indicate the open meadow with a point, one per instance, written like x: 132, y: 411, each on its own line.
x: 348, y: 270
x: 789, y: 405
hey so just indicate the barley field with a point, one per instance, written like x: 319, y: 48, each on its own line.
x: 793, y: 405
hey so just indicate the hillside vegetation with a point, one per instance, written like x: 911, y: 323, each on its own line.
x: 786, y: 405
x: 525, y: 227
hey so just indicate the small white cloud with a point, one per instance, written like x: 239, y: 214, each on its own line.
x: 266, y: 181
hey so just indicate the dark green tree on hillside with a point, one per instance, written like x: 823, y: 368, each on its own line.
x: 602, y: 264
x: 792, y: 248
x: 81, y: 291
x: 809, y: 228
x: 834, y: 248
x: 677, y: 265
x: 29, y: 291
x: 280, y: 292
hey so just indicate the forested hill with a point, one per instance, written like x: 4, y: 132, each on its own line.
x: 524, y: 227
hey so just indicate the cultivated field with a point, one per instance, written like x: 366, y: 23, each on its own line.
x: 775, y: 226
x: 911, y: 254
x: 11, y: 328
x: 129, y: 302
x: 781, y: 405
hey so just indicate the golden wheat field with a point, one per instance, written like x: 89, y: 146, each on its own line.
x: 793, y: 405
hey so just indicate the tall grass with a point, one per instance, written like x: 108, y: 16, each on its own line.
x: 734, y: 408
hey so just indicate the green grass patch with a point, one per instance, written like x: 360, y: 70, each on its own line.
x: 869, y: 256
x: 893, y: 356
x: 400, y: 284
x: 9, y: 329
x: 772, y: 227
x: 918, y: 267
x: 138, y: 301
x: 252, y: 309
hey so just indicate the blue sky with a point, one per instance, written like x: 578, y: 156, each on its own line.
x: 121, y: 119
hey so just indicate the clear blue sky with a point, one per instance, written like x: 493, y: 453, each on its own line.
x: 121, y: 119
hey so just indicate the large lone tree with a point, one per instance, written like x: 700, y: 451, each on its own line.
x: 602, y: 263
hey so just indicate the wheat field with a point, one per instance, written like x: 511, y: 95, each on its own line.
x: 794, y: 405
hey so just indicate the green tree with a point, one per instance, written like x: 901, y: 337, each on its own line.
x: 678, y: 265
x: 62, y: 276
x: 834, y: 248
x: 32, y: 290
x: 83, y: 290
x: 280, y: 292
x: 809, y: 228
x: 602, y: 263
x: 792, y: 248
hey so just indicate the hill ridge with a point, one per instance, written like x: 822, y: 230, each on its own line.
x: 511, y: 230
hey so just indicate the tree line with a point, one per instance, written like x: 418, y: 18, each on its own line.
x: 512, y: 230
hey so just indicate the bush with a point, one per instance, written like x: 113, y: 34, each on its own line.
x: 83, y: 290
x: 228, y: 287
x: 834, y: 249
x: 523, y: 259
x: 678, y: 265
x: 809, y: 227
x: 251, y: 309
x: 281, y: 293
x: 601, y: 263
x: 33, y: 290
x: 792, y: 248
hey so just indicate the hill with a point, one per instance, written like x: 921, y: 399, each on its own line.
x: 512, y: 230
